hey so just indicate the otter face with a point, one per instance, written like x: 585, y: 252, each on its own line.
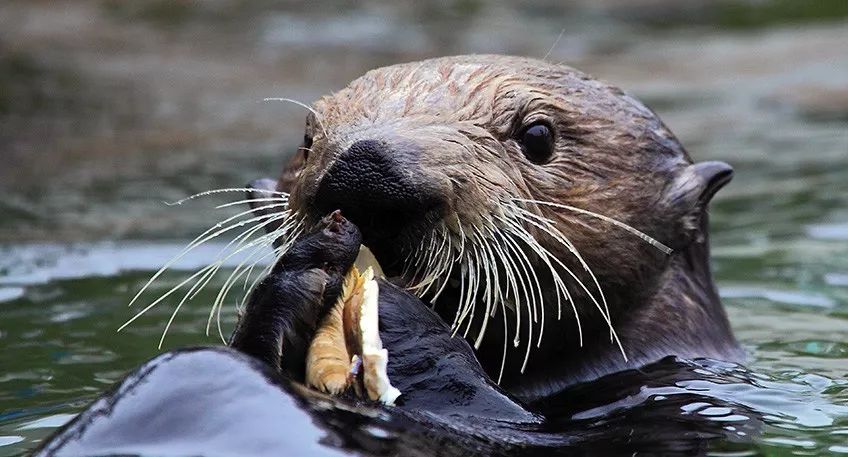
x: 506, y: 175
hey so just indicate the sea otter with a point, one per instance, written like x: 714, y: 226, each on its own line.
x: 556, y: 226
x: 497, y: 185
x: 246, y: 399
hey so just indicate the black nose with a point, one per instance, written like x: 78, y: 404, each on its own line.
x: 375, y: 185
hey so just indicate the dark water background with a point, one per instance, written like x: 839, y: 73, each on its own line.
x: 109, y: 108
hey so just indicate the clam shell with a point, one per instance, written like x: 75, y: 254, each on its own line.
x: 346, y: 350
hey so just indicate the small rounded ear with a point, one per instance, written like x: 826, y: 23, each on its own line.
x: 696, y: 184
x: 714, y: 175
x: 691, y: 191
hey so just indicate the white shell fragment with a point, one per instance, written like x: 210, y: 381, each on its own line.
x: 374, y: 357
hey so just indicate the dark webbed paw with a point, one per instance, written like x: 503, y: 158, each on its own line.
x: 434, y: 370
x: 284, y: 309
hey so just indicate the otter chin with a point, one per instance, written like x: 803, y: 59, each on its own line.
x: 551, y: 219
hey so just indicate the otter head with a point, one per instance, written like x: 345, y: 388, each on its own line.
x: 521, y: 186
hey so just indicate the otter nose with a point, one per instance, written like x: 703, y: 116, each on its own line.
x: 373, y: 184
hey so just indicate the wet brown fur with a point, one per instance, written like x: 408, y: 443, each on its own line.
x: 613, y: 156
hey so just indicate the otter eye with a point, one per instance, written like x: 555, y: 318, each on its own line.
x: 537, y: 142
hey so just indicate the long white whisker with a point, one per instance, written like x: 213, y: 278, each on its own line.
x: 476, y: 280
x: 302, y: 105
x: 264, y: 240
x: 545, y: 253
x: 492, y: 291
x: 213, y: 266
x: 445, y: 261
x: 211, y: 233
x: 164, y: 296
x: 548, y: 229
x: 647, y: 238
x: 487, y: 289
x: 278, y: 252
x: 440, y: 263
x: 450, y: 260
x: 506, y: 331
x: 240, y: 239
x: 208, y: 274
x: 532, y: 297
x: 512, y: 246
x: 425, y: 265
x: 548, y: 226
x: 253, y: 200
x: 255, y: 251
x: 546, y: 257
x: 219, y: 191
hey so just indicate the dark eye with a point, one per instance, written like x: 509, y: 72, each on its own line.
x: 537, y: 142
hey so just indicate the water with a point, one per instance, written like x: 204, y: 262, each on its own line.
x: 130, y: 108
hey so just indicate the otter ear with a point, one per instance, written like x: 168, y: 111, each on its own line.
x: 696, y: 184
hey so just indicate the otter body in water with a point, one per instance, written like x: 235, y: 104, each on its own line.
x: 552, y: 220
x: 247, y: 399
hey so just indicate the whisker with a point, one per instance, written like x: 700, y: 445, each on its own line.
x: 492, y: 294
x: 241, y: 238
x: 302, y: 105
x: 551, y: 49
x: 487, y: 290
x: 531, y: 296
x: 510, y: 245
x: 546, y: 257
x: 547, y: 225
x: 545, y: 253
x: 218, y: 324
x: 209, y: 269
x: 503, y: 356
x: 558, y: 281
x: 162, y: 297
x: 510, y: 270
x: 440, y: 263
x: 426, y: 266
x: 255, y: 251
x: 208, y: 274
x: 509, y: 267
x: 253, y: 200
x: 450, y: 261
x: 278, y: 252
x: 443, y: 263
x: 247, y: 233
x: 647, y: 238
x: 211, y: 233
x: 466, y: 276
x: 475, y: 287
x: 262, y: 241
x: 219, y: 191
x: 560, y: 288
